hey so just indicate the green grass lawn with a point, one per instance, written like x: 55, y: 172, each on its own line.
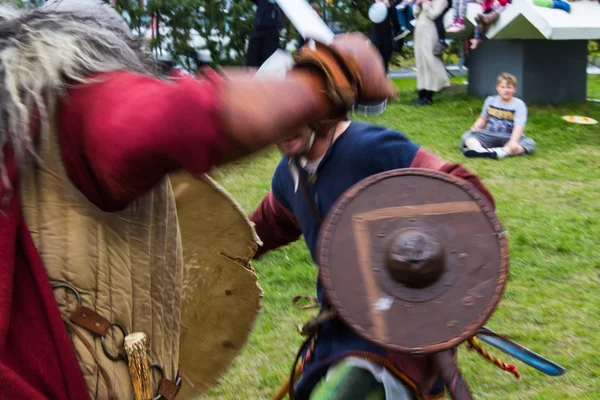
x: 550, y: 205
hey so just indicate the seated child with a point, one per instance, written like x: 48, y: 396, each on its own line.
x: 498, y: 132
x: 491, y: 10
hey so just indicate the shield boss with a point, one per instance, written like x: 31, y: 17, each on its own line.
x: 414, y: 260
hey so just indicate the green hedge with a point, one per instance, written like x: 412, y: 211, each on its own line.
x: 223, y: 27
x: 226, y: 24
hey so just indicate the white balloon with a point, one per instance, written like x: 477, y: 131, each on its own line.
x: 378, y: 12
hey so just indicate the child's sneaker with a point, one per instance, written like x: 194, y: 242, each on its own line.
x: 457, y: 26
x: 480, y: 153
x: 495, y: 153
x: 403, y: 33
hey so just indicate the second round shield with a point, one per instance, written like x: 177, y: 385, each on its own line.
x: 413, y: 260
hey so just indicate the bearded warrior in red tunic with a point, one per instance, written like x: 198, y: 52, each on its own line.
x: 90, y: 239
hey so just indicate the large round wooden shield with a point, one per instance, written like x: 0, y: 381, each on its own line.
x: 414, y: 260
x: 221, y: 295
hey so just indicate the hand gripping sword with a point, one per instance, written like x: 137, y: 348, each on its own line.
x: 310, y: 26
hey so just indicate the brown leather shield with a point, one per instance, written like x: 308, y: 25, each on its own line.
x: 414, y: 260
x: 220, y: 296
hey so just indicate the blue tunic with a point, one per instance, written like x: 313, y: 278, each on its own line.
x: 361, y: 151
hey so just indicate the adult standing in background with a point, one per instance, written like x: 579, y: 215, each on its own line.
x: 382, y: 34
x: 264, y: 39
x: 431, y: 73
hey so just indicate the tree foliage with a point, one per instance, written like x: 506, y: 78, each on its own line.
x: 217, y: 31
x: 193, y: 29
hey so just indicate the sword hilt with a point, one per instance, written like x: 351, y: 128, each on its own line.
x: 372, y: 109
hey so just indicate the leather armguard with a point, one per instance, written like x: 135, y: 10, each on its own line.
x: 341, y: 72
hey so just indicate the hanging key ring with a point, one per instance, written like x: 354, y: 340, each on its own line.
x: 121, y: 355
x: 65, y: 285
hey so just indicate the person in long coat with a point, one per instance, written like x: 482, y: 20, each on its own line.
x: 431, y: 73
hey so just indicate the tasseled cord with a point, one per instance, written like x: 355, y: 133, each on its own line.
x: 139, y: 366
x: 473, y: 344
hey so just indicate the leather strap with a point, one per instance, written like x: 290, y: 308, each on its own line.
x: 453, y: 380
x: 90, y: 320
x: 109, y: 387
x: 307, y: 199
x: 167, y: 389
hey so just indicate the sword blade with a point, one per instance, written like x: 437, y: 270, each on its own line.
x: 519, y: 352
x: 306, y: 20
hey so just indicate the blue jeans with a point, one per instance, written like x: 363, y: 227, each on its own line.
x: 405, y: 16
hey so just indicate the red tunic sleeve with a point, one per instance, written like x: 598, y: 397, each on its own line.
x: 275, y: 225
x: 122, y: 133
x: 426, y: 159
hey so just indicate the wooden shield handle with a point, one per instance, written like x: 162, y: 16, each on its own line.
x: 451, y: 376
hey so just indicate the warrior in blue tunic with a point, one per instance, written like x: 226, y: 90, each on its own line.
x: 315, y: 170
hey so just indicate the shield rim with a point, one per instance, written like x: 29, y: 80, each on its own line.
x: 334, y: 215
x: 202, y: 386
